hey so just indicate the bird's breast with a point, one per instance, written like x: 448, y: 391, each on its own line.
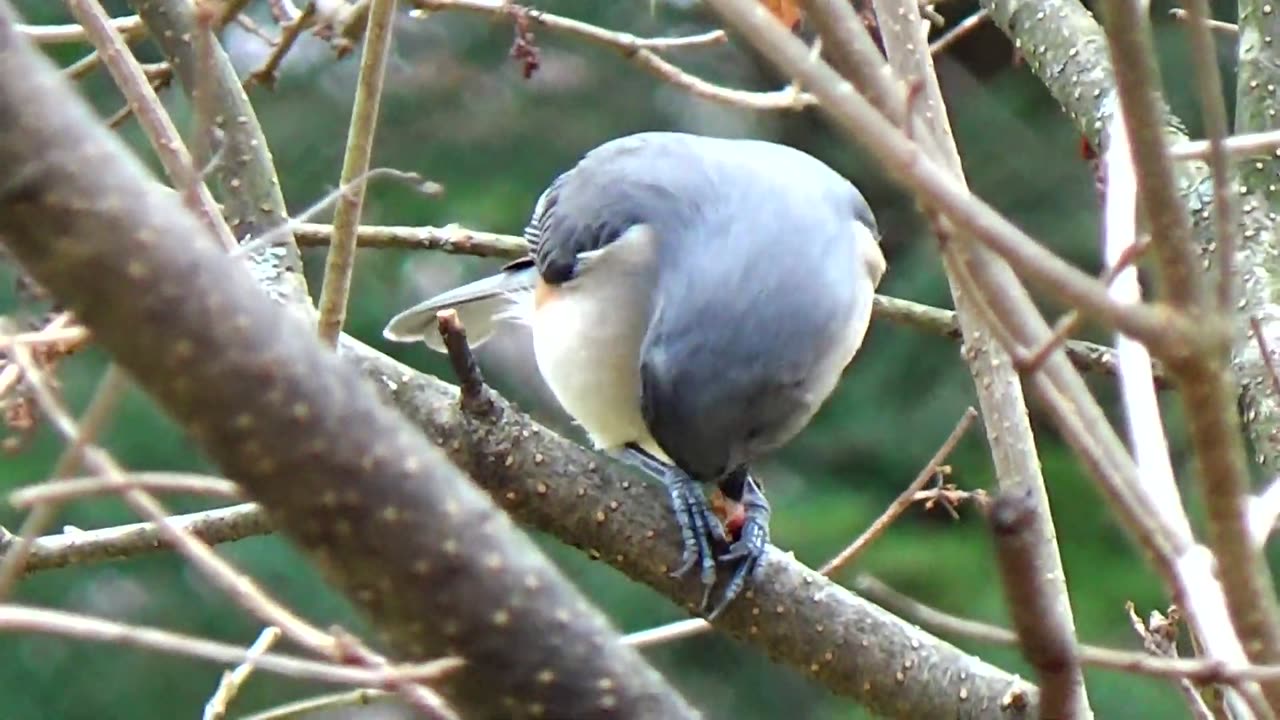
x: 587, y: 335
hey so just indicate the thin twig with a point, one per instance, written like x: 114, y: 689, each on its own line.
x: 106, y: 396
x: 302, y: 708
x: 640, y: 51
x: 473, y: 393
x: 340, y: 263
x: 18, y: 618
x: 237, y: 586
x: 904, y: 499
x: 1202, y: 670
x: 1213, y: 109
x: 130, y: 26
x: 1236, y: 146
x: 1142, y: 408
x: 265, y: 75
x: 62, y: 491
x: 233, y: 680
x: 82, y: 547
x: 155, y: 121
x: 1215, y: 25
x: 960, y: 30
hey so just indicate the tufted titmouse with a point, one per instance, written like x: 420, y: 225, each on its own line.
x: 693, y: 301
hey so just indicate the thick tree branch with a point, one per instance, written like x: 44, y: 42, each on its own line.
x: 1257, y: 253
x: 381, y: 510
x: 793, y: 613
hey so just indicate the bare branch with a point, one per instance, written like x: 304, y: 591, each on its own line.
x: 1208, y: 392
x: 78, y: 488
x: 18, y: 618
x: 229, y: 365
x: 155, y: 121
x: 1046, y: 642
x: 640, y: 51
x: 130, y: 26
x: 340, y: 263
x: 904, y: 500
x: 83, y: 547
x: 232, y: 680
x: 254, y: 204
x: 973, y: 271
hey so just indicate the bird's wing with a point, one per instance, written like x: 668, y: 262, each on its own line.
x: 636, y: 180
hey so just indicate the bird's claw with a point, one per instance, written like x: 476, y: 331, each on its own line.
x: 699, y: 526
x: 748, y: 551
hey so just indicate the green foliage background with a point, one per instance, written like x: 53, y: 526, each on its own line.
x: 457, y: 111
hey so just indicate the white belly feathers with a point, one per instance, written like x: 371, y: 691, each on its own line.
x: 587, y: 335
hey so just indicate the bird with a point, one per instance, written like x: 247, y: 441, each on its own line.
x: 693, y: 301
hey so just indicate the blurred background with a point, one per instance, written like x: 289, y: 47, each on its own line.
x: 458, y: 111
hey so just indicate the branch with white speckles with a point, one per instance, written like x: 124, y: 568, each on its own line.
x: 379, y: 508
x: 252, y: 200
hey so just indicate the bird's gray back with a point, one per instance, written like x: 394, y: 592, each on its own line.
x: 671, y: 181
x: 758, y: 288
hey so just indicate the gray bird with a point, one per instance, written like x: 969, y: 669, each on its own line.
x: 693, y: 302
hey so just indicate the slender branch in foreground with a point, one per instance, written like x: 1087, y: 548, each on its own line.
x: 330, y: 701
x: 18, y: 618
x: 340, y: 264
x: 1217, y: 25
x: 83, y: 547
x: 380, y: 509
x: 79, y: 488
x: 1208, y: 392
x: 1202, y: 670
x: 640, y: 51
x: 1213, y: 108
x: 232, y: 680
x: 976, y: 276
x: 254, y: 203
x: 130, y: 26
x: 1237, y: 146
x: 1048, y: 644
x: 155, y: 121
x: 965, y: 27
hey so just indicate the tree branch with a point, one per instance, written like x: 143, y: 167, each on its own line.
x: 380, y: 510
x: 1208, y: 392
x: 1008, y: 427
x: 253, y: 202
x: 1046, y: 641
x: 792, y: 613
x: 641, y: 51
x: 340, y: 262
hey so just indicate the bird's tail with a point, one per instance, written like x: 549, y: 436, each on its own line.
x: 479, y: 305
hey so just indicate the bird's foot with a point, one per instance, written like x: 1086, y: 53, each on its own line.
x: 699, y: 527
x: 748, y: 550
